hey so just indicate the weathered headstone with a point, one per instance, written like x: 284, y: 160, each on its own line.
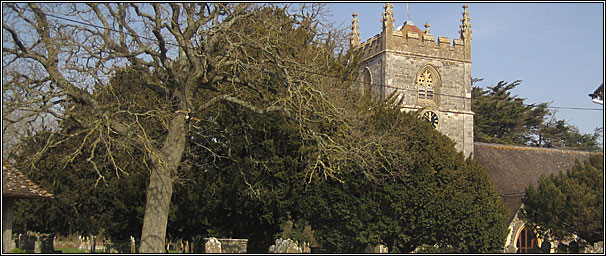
x: 84, y: 244
x: 229, y: 245
x: 573, y: 247
x: 545, y: 247
x: 198, y: 245
x: 27, y: 242
x: 597, y: 247
x: 376, y: 249
x: 212, y: 246
x: 285, y: 246
x: 382, y: 248
x: 37, y: 246
x: 46, y: 243
x: 133, y: 248
x: 306, y: 248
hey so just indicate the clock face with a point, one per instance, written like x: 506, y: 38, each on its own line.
x: 431, y: 118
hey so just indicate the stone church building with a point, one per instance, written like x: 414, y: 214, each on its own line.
x: 434, y: 77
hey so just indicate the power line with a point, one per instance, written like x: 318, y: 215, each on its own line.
x: 300, y: 70
x: 441, y: 94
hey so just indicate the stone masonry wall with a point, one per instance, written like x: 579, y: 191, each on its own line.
x: 374, y: 66
x: 454, y: 113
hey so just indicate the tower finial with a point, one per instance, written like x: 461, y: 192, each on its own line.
x: 354, y: 36
x: 387, y: 19
x: 465, y: 25
x: 427, y: 28
x: 466, y: 32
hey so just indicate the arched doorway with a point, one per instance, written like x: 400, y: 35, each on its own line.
x: 527, y: 241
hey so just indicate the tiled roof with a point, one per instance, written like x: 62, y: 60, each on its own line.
x: 513, y: 168
x: 412, y: 28
x: 16, y: 185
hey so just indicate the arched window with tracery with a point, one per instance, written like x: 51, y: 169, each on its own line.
x: 428, y: 82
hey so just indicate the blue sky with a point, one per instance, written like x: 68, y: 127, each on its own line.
x: 556, y: 49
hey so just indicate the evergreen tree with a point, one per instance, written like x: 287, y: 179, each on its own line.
x: 503, y: 118
x: 569, y: 203
x: 85, y: 202
x: 242, y: 181
x: 421, y: 191
x: 559, y: 134
x: 506, y: 119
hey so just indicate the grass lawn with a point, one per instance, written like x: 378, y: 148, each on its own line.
x: 69, y: 250
x: 74, y: 250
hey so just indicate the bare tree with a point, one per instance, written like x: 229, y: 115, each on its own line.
x: 59, y: 60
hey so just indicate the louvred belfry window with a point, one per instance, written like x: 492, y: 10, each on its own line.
x: 426, y: 86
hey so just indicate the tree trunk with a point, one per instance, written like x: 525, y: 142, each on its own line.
x: 159, y: 192
x: 160, y: 189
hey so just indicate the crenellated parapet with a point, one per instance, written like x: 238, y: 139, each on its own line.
x: 371, y: 47
x: 409, y: 39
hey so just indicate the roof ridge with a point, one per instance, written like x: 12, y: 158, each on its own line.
x: 506, y: 146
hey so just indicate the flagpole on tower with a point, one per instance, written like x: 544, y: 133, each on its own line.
x: 407, y: 12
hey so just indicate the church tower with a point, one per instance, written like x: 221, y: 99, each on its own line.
x: 433, y: 77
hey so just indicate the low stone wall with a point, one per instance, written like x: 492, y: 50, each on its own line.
x: 120, y: 246
x: 67, y: 242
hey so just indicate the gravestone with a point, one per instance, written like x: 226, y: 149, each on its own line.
x: 376, y: 249
x: 133, y: 248
x: 27, y: 242
x: 545, y: 247
x: 573, y: 247
x: 46, y: 243
x: 229, y: 245
x: 198, y: 244
x: 597, y: 247
x: 212, y: 246
x: 285, y: 246
x: 306, y: 248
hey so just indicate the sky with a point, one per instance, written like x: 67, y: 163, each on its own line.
x: 556, y: 49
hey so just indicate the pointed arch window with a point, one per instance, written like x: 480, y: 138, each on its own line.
x: 527, y: 241
x: 366, y: 81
